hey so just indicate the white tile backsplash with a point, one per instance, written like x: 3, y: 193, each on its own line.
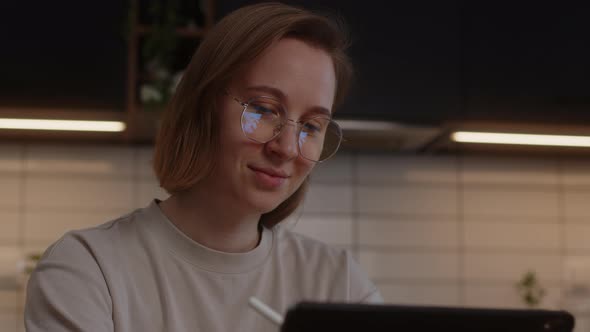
x: 380, y: 169
x: 7, y: 299
x: 145, y: 157
x: 410, y: 265
x: 511, y: 266
x: 337, y: 169
x: 513, y: 202
x: 577, y: 236
x: 10, y: 192
x: 507, y: 296
x: 46, y: 227
x: 577, y: 203
x: 324, y: 198
x: 11, y: 257
x: 9, y: 227
x: 332, y: 230
x: 78, y: 193
x: 438, y: 230
x: 509, y: 171
x: 9, y: 321
x: 420, y: 294
x: 11, y: 160
x: 576, y: 173
x: 397, y: 232
x: 80, y: 160
x: 576, y: 272
x: 512, y: 235
x: 406, y: 199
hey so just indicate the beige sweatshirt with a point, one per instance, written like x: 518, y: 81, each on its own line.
x: 140, y: 273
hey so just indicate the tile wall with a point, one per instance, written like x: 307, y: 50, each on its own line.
x: 441, y: 230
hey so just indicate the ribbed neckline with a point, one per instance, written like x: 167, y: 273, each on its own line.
x: 199, y: 255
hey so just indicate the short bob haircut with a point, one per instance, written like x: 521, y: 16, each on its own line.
x: 187, y: 140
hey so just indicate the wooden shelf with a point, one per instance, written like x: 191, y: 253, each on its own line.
x: 143, y: 125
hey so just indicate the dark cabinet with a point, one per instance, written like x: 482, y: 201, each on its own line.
x: 430, y: 62
x: 525, y: 61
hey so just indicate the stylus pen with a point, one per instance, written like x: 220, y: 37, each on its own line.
x: 265, y: 311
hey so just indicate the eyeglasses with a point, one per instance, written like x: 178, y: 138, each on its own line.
x: 264, y: 118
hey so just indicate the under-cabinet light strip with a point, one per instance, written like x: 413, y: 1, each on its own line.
x: 66, y: 125
x: 520, y: 139
x: 367, y: 125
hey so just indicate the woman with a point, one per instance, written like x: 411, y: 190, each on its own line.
x: 250, y: 119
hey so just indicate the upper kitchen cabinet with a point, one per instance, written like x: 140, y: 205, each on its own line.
x: 63, y: 55
x: 63, y: 60
x: 423, y: 62
x: 526, y: 61
x: 406, y: 56
x: 105, y: 61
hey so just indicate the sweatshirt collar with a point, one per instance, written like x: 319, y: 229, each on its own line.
x: 203, y: 257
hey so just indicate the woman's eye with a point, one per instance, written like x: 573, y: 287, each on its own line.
x: 312, y: 128
x: 263, y: 110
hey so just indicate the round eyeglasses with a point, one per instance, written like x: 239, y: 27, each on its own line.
x: 263, y: 119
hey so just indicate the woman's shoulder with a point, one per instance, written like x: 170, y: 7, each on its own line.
x: 104, y: 236
x: 340, y: 271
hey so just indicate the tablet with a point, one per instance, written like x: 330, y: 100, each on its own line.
x: 322, y: 317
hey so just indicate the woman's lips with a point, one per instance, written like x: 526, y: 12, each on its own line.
x: 270, y: 179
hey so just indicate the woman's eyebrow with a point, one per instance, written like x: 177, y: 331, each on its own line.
x: 321, y: 111
x: 268, y: 89
x: 280, y: 95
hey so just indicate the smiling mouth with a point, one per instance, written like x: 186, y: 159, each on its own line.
x: 268, y: 179
x: 270, y: 172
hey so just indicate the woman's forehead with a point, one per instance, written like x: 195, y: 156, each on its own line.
x: 291, y: 70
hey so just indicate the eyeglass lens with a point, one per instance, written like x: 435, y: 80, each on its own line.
x: 263, y: 119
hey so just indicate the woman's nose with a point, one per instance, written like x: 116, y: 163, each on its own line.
x: 285, y: 144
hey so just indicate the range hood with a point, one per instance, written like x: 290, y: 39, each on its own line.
x: 467, y: 137
x: 386, y: 136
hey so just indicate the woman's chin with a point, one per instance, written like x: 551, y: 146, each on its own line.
x: 263, y: 206
x: 267, y: 208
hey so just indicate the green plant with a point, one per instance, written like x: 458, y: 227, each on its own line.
x: 160, y: 43
x: 530, y: 290
x: 31, y: 262
x: 158, y: 47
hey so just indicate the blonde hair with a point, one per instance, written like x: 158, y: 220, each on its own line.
x: 188, y: 137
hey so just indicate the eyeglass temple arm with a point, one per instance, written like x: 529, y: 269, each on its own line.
x: 234, y: 98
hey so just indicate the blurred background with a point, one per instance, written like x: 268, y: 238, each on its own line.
x: 434, y: 217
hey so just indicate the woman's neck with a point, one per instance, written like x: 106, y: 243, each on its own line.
x: 212, y: 224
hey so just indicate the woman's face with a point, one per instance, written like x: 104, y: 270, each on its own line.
x: 258, y: 177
